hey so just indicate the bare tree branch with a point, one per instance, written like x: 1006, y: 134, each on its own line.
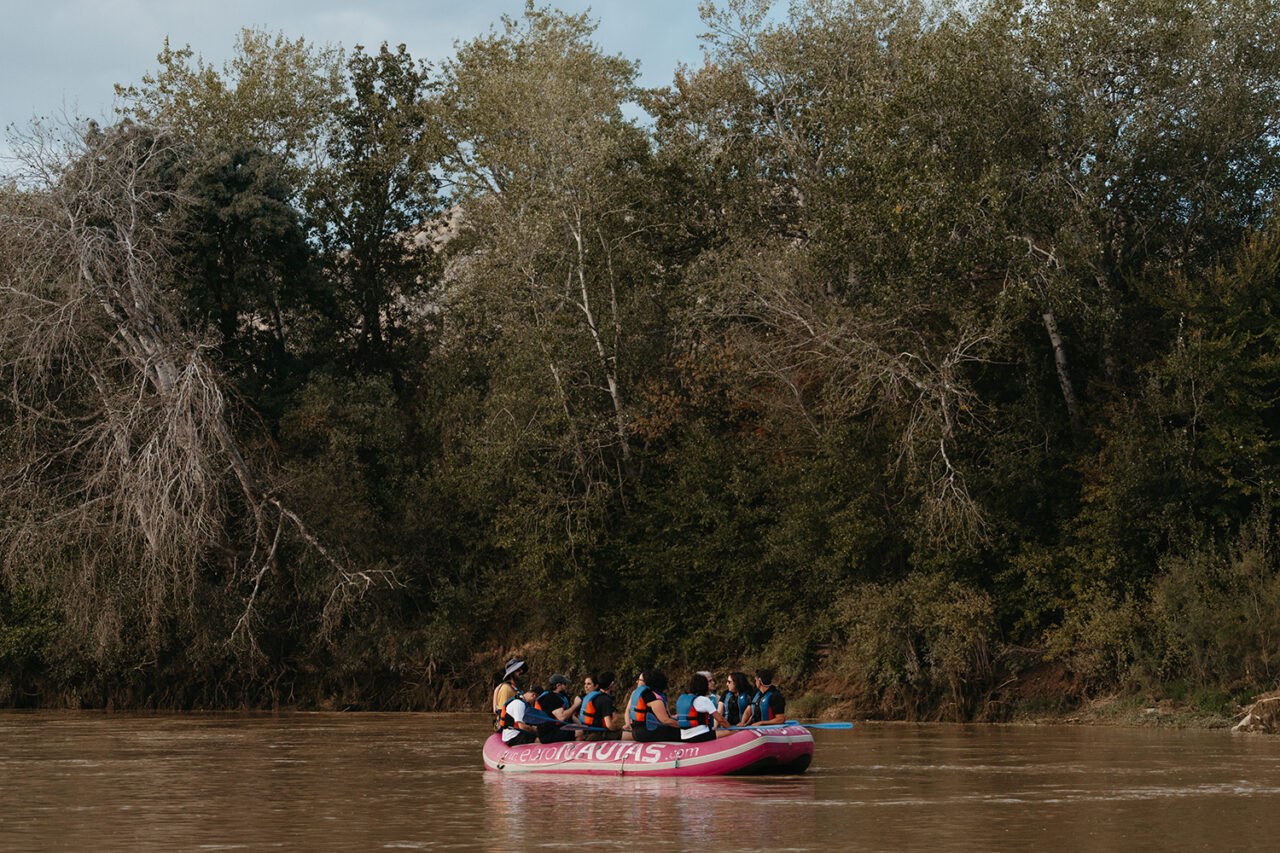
x: 838, y: 363
x: 122, y: 451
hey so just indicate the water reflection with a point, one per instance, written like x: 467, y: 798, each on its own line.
x: 691, y: 809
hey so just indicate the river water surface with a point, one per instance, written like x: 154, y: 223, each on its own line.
x: 355, y: 782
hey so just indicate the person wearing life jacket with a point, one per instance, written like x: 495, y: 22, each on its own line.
x: 711, y: 688
x: 511, y: 719
x: 769, y: 707
x: 555, y: 710
x: 631, y: 706
x: 508, y: 687
x: 597, y: 710
x: 696, y: 711
x: 650, y: 720
x: 588, y: 686
x: 737, y: 699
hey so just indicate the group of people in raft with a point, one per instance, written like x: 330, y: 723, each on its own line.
x: 524, y: 714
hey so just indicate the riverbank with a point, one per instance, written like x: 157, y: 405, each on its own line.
x: 1041, y: 699
x: 1047, y: 693
x: 1110, y: 710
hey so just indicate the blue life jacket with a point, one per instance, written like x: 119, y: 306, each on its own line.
x: 547, y: 702
x: 762, y: 706
x: 640, y: 709
x: 505, y: 720
x: 588, y: 713
x: 686, y: 716
x: 497, y: 715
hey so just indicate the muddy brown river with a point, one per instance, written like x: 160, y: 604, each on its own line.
x: 361, y: 782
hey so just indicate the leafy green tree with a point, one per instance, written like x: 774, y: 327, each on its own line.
x: 274, y: 95
x: 938, y: 182
x: 549, y: 168
x: 558, y: 281
x: 850, y: 252
x: 1158, y: 150
x: 370, y: 205
x: 1194, y: 454
x: 937, y: 335
x: 249, y: 271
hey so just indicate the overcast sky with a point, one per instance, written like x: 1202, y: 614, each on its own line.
x: 63, y: 56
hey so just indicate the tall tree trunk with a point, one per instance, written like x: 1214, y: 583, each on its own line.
x: 608, y: 362
x: 1064, y: 375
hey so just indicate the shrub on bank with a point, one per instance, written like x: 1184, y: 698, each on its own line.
x: 922, y: 644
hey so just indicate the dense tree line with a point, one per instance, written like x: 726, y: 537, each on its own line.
x: 925, y: 347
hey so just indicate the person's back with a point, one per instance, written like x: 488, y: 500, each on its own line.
x: 696, y: 712
x: 502, y: 694
x: 651, y: 721
x: 711, y: 686
x: 630, y: 713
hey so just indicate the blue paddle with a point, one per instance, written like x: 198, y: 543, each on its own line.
x: 533, y: 715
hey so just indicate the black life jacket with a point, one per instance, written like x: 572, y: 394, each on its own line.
x: 735, y: 705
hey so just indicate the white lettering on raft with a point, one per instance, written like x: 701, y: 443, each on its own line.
x: 619, y: 752
x: 646, y: 753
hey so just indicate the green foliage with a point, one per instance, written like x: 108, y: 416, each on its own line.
x: 274, y: 95
x: 1215, y: 612
x: 378, y: 189
x: 27, y: 629
x: 920, y: 642
x: 1196, y: 449
x: 917, y: 340
x: 249, y: 269
x: 347, y: 440
x: 535, y: 108
x: 1099, y: 636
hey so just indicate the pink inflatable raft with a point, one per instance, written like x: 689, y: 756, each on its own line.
x: 783, y: 749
